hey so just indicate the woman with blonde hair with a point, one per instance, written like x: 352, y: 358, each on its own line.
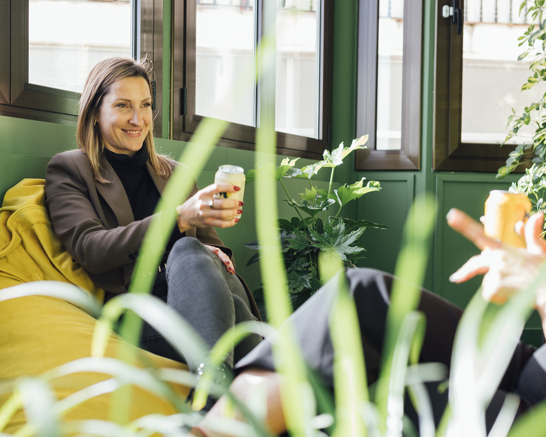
x: 102, y: 197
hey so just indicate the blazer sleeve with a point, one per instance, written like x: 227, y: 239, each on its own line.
x: 80, y: 222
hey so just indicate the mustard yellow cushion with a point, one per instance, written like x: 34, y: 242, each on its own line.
x: 40, y: 333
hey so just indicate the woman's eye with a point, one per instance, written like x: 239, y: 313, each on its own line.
x: 121, y: 105
x: 147, y: 104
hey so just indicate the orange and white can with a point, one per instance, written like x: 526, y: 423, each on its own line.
x: 502, y: 211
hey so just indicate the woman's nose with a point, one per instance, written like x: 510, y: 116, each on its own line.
x: 136, y: 117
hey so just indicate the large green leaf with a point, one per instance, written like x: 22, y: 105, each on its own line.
x: 351, y: 224
x: 312, y: 210
x: 346, y: 193
x: 336, y: 239
x: 270, y: 171
x: 286, y: 164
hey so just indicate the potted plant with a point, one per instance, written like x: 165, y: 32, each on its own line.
x: 317, y: 224
x: 533, y: 154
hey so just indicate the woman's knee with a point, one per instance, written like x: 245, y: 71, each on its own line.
x: 187, y: 255
x: 188, y: 245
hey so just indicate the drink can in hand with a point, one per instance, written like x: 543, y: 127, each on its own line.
x: 231, y: 174
x: 502, y: 211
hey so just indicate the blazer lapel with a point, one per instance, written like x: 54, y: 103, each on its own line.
x: 115, y: 196
x: 160, y: 183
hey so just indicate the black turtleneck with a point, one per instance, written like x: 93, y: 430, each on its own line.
x: 139, y: 186
x: 137, y: 182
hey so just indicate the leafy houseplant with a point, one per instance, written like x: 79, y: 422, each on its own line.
x: 533, y: 183
x: 303, y: 238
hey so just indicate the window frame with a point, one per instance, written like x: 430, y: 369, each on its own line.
x: 184, y: 120
x: 449, y: 152
x: 5, y: 29
x: 408, y: 157
x: 19, y: 98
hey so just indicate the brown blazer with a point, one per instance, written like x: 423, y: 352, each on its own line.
x: 95, y: 221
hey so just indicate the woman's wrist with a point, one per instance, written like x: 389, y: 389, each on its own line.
x: 183, y: 225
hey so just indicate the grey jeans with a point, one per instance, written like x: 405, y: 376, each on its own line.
x: 212, y: 300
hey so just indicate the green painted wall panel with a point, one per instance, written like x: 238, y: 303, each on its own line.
x: 388, y: 207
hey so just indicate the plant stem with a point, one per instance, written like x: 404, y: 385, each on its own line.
x: 329, y: 190
x: 290, y: 198
x: 304, y: 222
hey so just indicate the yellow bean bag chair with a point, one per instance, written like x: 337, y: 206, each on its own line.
x: 39, y: 333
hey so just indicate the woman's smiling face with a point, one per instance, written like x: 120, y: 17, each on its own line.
x: 125, y: 115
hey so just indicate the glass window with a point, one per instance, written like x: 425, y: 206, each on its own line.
x: 389, y: 84
x: 222, y: 64
x: 65, y: 41
x: 298, y: 70
x: 390, y: 48
x: 225, y: 50
x: 478, y: 82
x: 492, y: 75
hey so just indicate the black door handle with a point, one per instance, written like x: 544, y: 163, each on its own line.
x: 457, y: 16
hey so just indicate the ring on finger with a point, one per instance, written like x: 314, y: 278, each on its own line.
x: 210, y: 203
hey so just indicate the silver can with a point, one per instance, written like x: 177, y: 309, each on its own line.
x: 231, y: 174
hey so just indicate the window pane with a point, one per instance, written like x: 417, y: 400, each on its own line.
x: 297, y: 89
x: 225, y: 39
x: 389, y: 74
x: 492, y: 75
x: 65, y: 40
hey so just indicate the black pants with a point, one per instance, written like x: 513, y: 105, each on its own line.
x: 371, y: 290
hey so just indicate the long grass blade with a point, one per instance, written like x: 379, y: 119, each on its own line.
x: 220, y: 350
x: 531, y: 423
x: 60, y: 290
x: 98, y: 428
x: 38, y: 402
x: 9, y: 408
x: 165, y: 320
x: 506, y: 416
x: 287, y: 357
x: 351, y: 386
x: 405, y: 294
x: 395, y: 403
x: 467, y: 410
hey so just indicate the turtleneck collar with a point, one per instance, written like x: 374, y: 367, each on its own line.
x: 126, y: 162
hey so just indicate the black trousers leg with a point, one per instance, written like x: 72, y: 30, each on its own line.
x: 371, y: 291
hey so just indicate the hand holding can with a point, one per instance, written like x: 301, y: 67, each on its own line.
x: 231, y: 174
x: 502, y: 211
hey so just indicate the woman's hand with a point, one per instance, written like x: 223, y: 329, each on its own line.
x: 506, y: 268
x: 223, y: 257
x: 202, y: 209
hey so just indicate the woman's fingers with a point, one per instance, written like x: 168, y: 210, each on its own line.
x: 220, y: 188
x: 471, y: 229
x: 204, y: 209
x: 477, y: 265
x: 223, y: 257
x: 533, y: 230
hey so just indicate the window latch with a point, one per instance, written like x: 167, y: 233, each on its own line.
x: 456, y: 13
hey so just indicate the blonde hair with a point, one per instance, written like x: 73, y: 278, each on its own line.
x: 98, y: 84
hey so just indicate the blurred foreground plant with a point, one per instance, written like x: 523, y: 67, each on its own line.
x: 303, y: 238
